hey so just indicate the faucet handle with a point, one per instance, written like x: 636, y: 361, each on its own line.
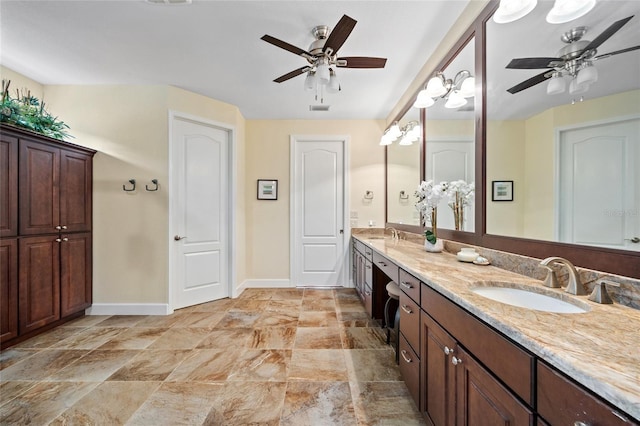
x: 600, y: 294
x: 551, y: 279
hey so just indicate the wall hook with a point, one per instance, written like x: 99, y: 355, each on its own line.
x: 368, y: 195
x: 155, y: 182
x: 133, y: 188
x: 404, y: 195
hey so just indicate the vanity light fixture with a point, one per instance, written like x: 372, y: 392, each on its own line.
x: 562, y: 11
x: 405, y: 136
x: 455, y: 90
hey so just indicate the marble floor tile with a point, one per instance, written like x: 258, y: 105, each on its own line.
x: 206, y: 365
x: 90, y: 338
x: 348, y: 305
x: 150, y: 365
x: 287, y: 294
x: 226, y: 338
x: 162, y: 321
x: 250, y: 305
x: 42, y: 364
x: 217, y: 306
x: 178, y: 403
x: 43, y: 403
x: 257, y: 294
x: 317, y: 319
x: 50, y: 338
x: 10, y: 356
x: 86, y: 321
x: 284, y: 305
x: 261, y: 365
x: 355, y: 319
x: 318, y: 338
x: 199, y: 320
x: 12, y: 389
x: 370, y: 365
x: 384, y: 403
x: 180, y: 338
x: 238, y: 319
x: 272, y: 338
x: 134, y: 338
x: 248, y: 403
x: 96, y: 366
x: 317, y: 294
x: 326, y: 305
x: 273, y: 319
x: 318, y: 403
x: 362, y: 337
x: 318, y: 365
x: 110, y: 403
x: 121, y: 321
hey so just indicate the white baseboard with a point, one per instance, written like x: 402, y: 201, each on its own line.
x: 129, y: 309
x: 282, y: 283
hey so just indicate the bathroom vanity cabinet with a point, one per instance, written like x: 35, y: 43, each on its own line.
x: 363, y: 274
x: 46, y: 201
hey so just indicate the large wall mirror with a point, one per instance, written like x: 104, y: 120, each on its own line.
x: 571, y: 150
x: 449, y: 128
x: 403, y: 172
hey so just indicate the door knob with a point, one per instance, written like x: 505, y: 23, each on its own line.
x: 634, y: 240
x: 178, y: 238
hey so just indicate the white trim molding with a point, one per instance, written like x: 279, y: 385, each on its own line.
x: 129, y: 309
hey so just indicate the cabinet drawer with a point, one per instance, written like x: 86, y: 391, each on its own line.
x: 368, y: 273
x: 512, y: 364
x: 563, y: 402
x: 410, y: 320
x: 410, y: 285
x: 410, y: 369
x: 362, y: 248
x: 368, y: 299
x: 386, y: 266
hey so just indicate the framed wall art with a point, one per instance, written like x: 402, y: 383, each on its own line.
x: 267, y: 189
x: 502, y: 190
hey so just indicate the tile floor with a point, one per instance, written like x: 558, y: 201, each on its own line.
x: 269, y: 357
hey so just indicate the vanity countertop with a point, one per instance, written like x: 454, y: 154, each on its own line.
x: 599, y: 349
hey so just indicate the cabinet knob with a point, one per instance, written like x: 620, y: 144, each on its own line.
x: 447, y: 350
x: 406, y: 309
x: 456, y: 361
x: 64, y: 226
x: 65, y: 239
x: 404, y: 355
x: 58, y: 240
x: 58, y: 227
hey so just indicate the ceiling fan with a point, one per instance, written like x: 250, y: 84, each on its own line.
x: 576, y: 56
x: 322, y: 54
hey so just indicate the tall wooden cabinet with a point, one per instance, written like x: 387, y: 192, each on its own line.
x: 46, y: 206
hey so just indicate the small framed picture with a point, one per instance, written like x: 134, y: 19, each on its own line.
x: 502, y: 190
x: 267, y: 189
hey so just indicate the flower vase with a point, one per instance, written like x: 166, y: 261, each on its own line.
x: 458, y: 213
x: 436, y: 247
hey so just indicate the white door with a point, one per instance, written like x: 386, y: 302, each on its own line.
x: 199, y: 201
x: 448, y: 161
x: 318, y: 209
x: 599, y: 169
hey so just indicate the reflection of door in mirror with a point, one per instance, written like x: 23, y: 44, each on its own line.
x: 527, y: 132
x: 593, y: 160
x: 450, y: 141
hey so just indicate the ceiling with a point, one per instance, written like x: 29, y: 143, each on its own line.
x: 213, y: 48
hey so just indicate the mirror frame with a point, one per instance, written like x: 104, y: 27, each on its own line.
x: 619, y: 262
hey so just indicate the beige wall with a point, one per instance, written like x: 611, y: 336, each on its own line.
x: 18, y: 81
x: 267, y: 157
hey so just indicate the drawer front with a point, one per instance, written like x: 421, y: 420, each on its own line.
x: 410, y: 321
x: 368, y: 273
x: 368, y: 299
x: 386, y: 266
x: 410, y: 285
x: 563, y: 402
x: 410, y: 369
x: 364, y: 249
x: 512, y: 364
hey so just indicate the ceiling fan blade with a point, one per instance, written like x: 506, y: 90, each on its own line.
x: 616, y: 52
x: 339, y: 34
x: 604, y: 36
x: 286, y: 46
x: 529, y: 83
x: 532, y: 63
x: 363, y: 62
x: 292, y: 74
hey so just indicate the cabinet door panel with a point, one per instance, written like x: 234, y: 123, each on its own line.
x: 8, y: 289
x: 8, y: 186
x: 39, y: 287
x: 437, y: 386
x: 410, y: 320
x: 75, y: 273
x: 75, y: 191
x: 410, y: 369
x: 482, y: 400
x: 39, y: 188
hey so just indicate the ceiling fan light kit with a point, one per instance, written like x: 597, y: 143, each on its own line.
x: 322, y: 57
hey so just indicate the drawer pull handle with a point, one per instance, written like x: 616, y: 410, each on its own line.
x: 447, y: 350
x: 404, y: 355
x: 579, y: 423
x: 382, y: 263
x: 406, y: 309
x: 456, y: 361
x: 405, y: 284
x: 368, y: 266
x: 368, y: 293
x: 368, y: 253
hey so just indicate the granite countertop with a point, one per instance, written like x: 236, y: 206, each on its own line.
x: 599, y: 348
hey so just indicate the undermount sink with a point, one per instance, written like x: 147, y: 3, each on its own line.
x: 535, y: 298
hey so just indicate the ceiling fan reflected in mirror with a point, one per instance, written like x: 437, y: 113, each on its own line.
x: 575, y: 60
x: 322, y: 56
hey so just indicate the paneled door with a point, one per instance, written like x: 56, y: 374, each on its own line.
x: 318, y: 254
x: 593, y: 160
x: 199, y: 212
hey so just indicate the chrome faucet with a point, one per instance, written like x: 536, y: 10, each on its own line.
x: 394, y: 233
x: 574, y: 286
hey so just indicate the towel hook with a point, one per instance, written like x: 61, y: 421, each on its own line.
x: 404, y: 195
x: 133, y: 188
x: 368, y: 195
x: 155, y: 182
